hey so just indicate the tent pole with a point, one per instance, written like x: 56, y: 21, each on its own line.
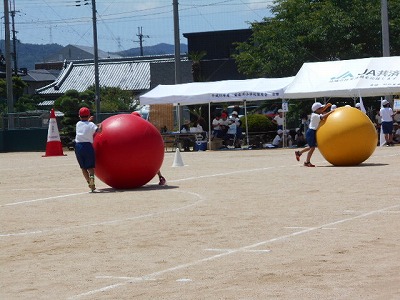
x: 209, y: 124
x: 247, y: 127
x: 178, y: 113
x: 284, y: 126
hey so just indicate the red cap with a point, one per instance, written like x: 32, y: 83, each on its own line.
x: 84, y: 112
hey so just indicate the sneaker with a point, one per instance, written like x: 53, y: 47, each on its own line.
x: 162, y: 181
x: 298, y: 154
x: 91, y: 183
x: 308, y: 164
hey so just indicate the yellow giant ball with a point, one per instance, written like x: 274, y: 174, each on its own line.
x: 346, y: 137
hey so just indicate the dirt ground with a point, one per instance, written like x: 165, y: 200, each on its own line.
x: 238, y: 224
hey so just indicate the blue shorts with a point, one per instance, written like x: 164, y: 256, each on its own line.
x: 311, y: 137
x: 387, y: 127
x: 84, y: 153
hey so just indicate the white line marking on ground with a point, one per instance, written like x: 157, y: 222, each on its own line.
x: 112, y: 222
x: 234, y: 251
x: 176, y: 180
x: 184, y: 280
x: 228, y: 250
x: 43, y: 199
x: 131, y: 279
x: 299, y: 227
x: 180, y: 180
x: 296, y: 227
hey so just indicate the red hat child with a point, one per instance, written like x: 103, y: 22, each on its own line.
x: 84, y: 112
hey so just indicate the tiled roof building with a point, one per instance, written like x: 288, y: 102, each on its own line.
x: 137, y: 75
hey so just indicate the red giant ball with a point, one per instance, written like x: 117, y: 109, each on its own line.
x: 129, y: 151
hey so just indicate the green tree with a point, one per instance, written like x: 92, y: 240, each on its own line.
x: 115, y: 99
x: 198, y: 112
x: 27, y: 102
x: 196, y: 58
x: 18, y: 90
x: 257, y: 123
x: 112, y: 100
x: 69, y: 104
x: 303, y: 31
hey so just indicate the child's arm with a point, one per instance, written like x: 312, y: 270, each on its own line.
x: 324, y: 116
x: 99, y: 128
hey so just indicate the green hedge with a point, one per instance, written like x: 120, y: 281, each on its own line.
x: 258, y: 123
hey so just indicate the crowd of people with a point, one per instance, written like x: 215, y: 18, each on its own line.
x: 386, y: 120
x: 229, y: 129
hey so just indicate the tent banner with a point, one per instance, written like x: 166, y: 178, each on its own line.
x: 347, y: 78
x: 218, y: 91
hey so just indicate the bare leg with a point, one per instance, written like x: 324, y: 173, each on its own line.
x: 85, y: 174
x: 90, y: 173
x: 306, y: 149
x: 309, y: 154
x: 299, y: 153
x: 387, y: 139
x: 161, y: 178
x: 391, y: 138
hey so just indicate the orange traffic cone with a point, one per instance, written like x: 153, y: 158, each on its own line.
x: 53, y: 146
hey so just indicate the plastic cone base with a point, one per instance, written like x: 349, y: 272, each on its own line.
x: 178, y: 162
x: 54, y: 148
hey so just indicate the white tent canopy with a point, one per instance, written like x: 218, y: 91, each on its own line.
x: 366, y: 77
x: 217, y: 91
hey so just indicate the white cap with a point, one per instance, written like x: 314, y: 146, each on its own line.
x: 358, y: 105
x: 316, y: 105
x: 234, y: 113
x: 280, y: 110
x: 333, y: 107
x: 280, y: 131
x: 384, y: 102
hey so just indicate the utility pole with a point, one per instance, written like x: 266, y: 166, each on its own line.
x: 14, y: 54
x: 96, y: 55
x: 178, y: 77
x: 385, y: 28
x: 177, y: 43
x: 10, y: 97
x: 96, y: 62
x: 141, y: 36
x: 51, y: 34
x: 385, y: 36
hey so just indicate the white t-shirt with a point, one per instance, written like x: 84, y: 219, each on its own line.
x: 378, y: 118
x: 216, y: 124
x: 85, y: 131
x: 225, y: 123
x: 386, y: 114
x: 314, y: 121
x: 276, y: 141
x: 279, y: 120
x: 236, y: 121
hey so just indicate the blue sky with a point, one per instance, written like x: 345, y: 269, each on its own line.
x: 118, y: 22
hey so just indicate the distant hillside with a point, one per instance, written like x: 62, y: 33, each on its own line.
x: 29, y: 54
